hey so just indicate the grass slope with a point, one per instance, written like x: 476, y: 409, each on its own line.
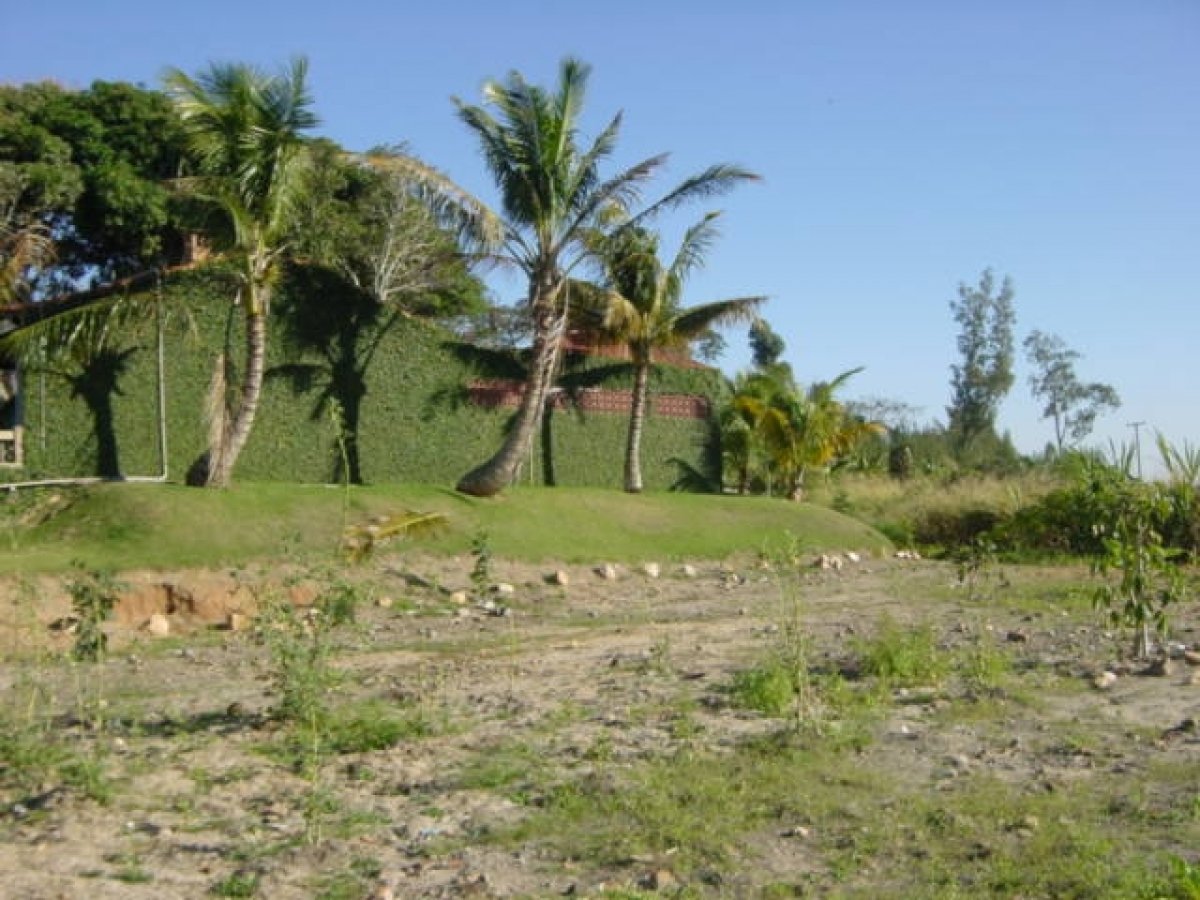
x: 120, y: 526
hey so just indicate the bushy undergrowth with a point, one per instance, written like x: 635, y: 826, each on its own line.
x: 1062, y: 510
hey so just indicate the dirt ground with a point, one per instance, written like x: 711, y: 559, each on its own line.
x: 195, y: 807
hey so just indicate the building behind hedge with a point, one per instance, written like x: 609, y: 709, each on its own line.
x: 352, y: 390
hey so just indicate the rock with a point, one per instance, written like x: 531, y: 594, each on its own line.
x: 660, y: 880
x: 157, y: 625
x: 460, y: 598
x: 1104, y: 680
x: 503, y: 589
x: 384, y: 602
x: 688, y: 571
x: 1158, y: 668
x: 236, y: 621
x: 67, y: 624
x: 1016, y: 637
x: 1191, y: 657
x: 652, y: 569
x: 853, y: 557
x: 382, y: 891
x: 1195, y: 677
x: 561, y: 578
x: 607, y: 571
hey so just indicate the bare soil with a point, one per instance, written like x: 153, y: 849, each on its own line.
x: 198, y: 805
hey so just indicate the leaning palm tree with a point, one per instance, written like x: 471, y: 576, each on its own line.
x: 643, y: 310
x: 245, y: 129
x: 552, y: 195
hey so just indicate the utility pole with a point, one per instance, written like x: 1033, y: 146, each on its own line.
x: 1137, y: 445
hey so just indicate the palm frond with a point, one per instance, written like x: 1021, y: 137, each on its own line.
x: 361, y: 540
x: 692, y: 322
x: 712, y: 182
x: 480, y: 229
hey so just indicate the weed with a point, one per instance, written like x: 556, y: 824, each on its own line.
x: 237, y: 886
x: 481, y: 571
x: 790, y: 658
x: 93, y: 596
x: 768, y: 689
x: 353, y: 884
x: 339, y: 602
x: 982, y: 666
x: 903, y: 657
x: 976, y: 568
x: 1184, y: 880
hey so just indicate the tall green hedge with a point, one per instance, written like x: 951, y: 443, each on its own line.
x: 416, y: 423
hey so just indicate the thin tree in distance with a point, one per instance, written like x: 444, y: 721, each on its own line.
x: 1070, y: 404
x: 984, y: 376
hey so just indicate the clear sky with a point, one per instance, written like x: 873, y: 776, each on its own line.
x: 905, y: 147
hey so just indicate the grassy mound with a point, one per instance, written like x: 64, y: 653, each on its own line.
x: 121, y: 526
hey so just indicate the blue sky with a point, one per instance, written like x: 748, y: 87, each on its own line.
x: 905, y: 147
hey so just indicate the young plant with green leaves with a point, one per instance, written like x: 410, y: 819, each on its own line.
x: 1147, y: 581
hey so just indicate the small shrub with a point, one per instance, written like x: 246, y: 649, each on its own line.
x: 481, y: 572
x: 93, y: 596
x: 339, y: 602
x: 768, y: 689
x: 1149, y: 581
x: 950, y: 528
x: 237, y: 885
x: 904, y: 657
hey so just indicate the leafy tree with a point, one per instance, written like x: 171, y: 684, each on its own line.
x: 375, y: 254
x: 1071, y: 405
x: 643, y: 309
x: 245, y: 132
x: 553, y: 193
x: 91, y: 168
x: 766, y: 346
x: 985, y: 341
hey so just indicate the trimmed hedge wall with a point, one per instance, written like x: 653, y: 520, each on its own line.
x: 414, y: 422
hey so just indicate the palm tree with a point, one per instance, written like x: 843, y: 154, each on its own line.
x: 245, y: 129
x: 552, y: 194
x: 643, y: 311
x: 799, y: 430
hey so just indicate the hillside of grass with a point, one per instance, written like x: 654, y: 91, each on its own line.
x: 123, y: 526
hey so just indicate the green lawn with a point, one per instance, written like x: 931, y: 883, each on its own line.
x: 120, y: 526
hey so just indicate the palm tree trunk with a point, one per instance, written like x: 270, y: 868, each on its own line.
x: 637, y: 422
x: 500, y: 471
x: 221, y: 459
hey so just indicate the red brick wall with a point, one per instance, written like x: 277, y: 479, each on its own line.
x: 498, y: 392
